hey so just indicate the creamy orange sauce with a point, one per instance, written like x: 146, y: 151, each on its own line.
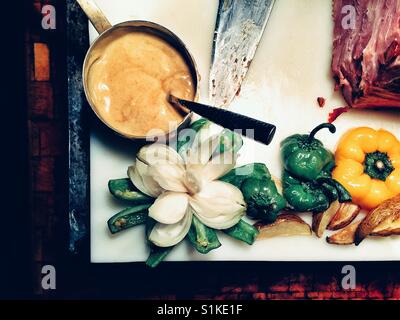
x: 131, y: 80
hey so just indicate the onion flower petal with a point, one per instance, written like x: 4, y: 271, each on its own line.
x: 170, y: 177
x: 220, y: 222
x: 167, y: 235
x: 159, y: 153
x: 146, y: 184
x: 218, y: 198
x: 169, y: 208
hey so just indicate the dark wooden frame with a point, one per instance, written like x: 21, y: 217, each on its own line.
x: 135, y: 280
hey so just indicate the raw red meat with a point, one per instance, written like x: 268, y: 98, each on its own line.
x: 366, y: 58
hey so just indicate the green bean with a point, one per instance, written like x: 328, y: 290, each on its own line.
x: 157, y: 254
x: 243, y: 231
x: 203, y: 238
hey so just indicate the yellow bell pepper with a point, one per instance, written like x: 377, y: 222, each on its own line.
x: 368, y: 165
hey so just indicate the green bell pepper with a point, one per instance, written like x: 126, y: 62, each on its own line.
x: 304, y: 196
x: 342, y: 194
x: 304, y: 156
x: 307, y: 178
x: 262, y: 198
x: 329, y: 190
x: 259, y: 191
x: 237, y: 175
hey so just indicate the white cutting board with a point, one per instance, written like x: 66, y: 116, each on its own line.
x: 291, y: 69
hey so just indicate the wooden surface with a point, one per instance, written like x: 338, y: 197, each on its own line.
x: 76, y: 278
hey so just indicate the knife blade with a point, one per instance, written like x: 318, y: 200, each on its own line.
x: 238, y: 31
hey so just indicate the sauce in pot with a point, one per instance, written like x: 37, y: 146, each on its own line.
x: 131, y: 80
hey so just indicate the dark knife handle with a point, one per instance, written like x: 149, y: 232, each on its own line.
x: 252, y: 128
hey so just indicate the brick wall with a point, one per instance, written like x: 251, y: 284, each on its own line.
x: 45, y: 54
x: 46, y: 81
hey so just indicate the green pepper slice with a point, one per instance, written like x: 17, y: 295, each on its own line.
x: 243, y: 231
x: 128, y: 218
x: 203, y: 238
x: 124, y: 189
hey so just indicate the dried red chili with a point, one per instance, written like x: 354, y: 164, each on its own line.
x: 321, y: 101
x: 336, y: 113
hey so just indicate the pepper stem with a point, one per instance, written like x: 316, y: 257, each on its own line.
x: 329, y: 126
x: 380, y: 165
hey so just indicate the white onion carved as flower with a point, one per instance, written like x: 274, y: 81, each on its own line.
x: 185, y: 186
